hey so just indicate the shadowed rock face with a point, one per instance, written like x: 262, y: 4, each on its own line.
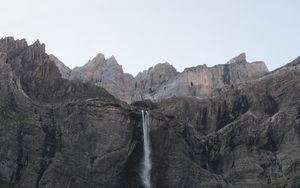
x: 60, y: 133
x: 64, y: 70
x: 54, y: 132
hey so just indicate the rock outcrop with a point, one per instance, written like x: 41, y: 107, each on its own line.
x: 106, y: 73
x: 64, y: 133
x: 63, y: 69
x: 149, y: 82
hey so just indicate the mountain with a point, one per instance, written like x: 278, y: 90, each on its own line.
x: 58, y: 133
x: 203, y: 81
x: 106, y: 73
x: 163, y: 81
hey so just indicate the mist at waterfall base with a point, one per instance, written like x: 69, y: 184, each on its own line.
x: 146, y: 164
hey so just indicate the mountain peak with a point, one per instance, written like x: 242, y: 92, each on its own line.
x: 241, y: 58
x: 99, y: 56
x: 9, y: 43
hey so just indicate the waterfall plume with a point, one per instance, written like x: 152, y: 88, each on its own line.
x: 146, y: 168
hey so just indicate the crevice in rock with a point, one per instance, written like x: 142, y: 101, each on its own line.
x: 215, y: 161
x: 226, y: 75
x: 240, y: 106
x: 274, y: 140
x: 50, y: 143
x: 298, y: 119
x: 204, y: 117
x: 270, y: 105
x: 22, y: 160
x: 223, y: 116
x: 202, y: 121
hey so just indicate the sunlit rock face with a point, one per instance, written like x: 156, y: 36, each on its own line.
x: 106, y: 73
x: 163, y: 81
x: 151, y: 81
x: 58, y: 133
x: 200, y: 81
x: 203, y: 81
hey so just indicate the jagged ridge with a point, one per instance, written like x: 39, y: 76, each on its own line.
x: 163, y: 81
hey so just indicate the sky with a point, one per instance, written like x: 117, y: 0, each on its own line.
x: 142, y: 33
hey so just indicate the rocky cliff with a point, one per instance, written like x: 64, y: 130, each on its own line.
x: 163, y: 81
x: 62, y: 133
x: 203, y: 81
x: 106, y: 73
x: 150, y: 82
x: 54, y: 132
x: 246, y: 137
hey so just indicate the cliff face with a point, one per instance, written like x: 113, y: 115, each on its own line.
x: 106, y: 73
x: 163, y: 81
x: 203, y: 81
x: 55, y: 132
x: 246, y: 137
x: 60, y: 133
x: 151, y: 81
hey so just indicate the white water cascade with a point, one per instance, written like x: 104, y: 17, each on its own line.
x: 146, y: 170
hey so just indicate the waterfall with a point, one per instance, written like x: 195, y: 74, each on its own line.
x: 146, y: 169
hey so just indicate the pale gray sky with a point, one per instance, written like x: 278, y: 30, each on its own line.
x: 141, y: 33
